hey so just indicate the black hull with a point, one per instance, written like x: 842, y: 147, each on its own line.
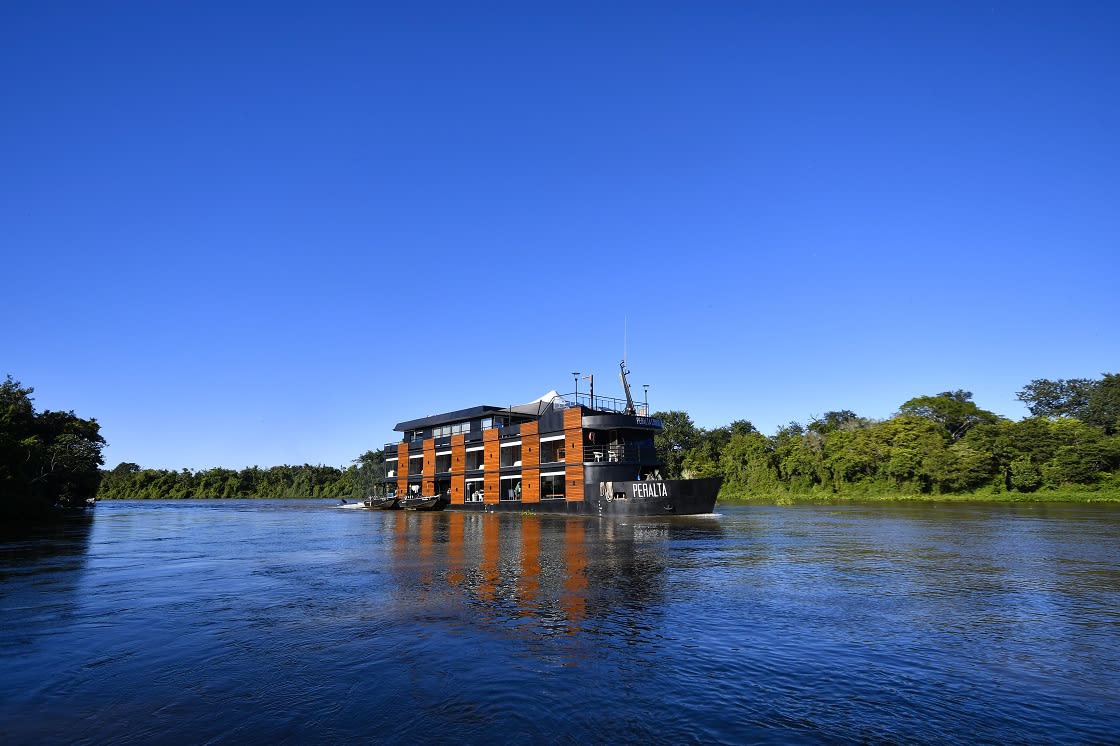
x: 423, y: 503
x: 661, y: 497
x: 384, y: 503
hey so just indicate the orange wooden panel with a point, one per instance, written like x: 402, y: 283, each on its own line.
x: 430, y: 457
x: 530, y: 485
x: 573, y: 417
x: 402, y: 468
x: 530, y: 445
x: 492, y: 485
x: 458, y: 453
x: 573, y: 483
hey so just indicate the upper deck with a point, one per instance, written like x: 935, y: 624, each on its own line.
x: 598, y: 412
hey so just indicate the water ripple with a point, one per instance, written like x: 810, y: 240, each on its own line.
x: 289, y: 622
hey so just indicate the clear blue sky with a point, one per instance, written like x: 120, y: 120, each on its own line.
x: 264, y: 233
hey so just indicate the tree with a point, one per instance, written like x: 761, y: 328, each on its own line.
x: 833, y: 421
x: 48, y: 459
x: 799, y: 457
x: 1103, y: 407
x: 1060, y: 398
x: 747, y: 463
x: 369, y: 472
x: 678, y: 436
x: 953, y: 410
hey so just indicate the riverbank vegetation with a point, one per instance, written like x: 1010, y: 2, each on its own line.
x: 941, y: 446
x: 128, y: 481
x: 48, y: 460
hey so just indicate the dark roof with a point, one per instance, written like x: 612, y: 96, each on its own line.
x: 459, y: 415
x: 531, y: 411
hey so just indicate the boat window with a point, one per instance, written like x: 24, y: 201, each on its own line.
x: 552, y: 486
x: 511, y: 456
x: 552, y: 451
x: 475, y: 459
x: 510, y: 489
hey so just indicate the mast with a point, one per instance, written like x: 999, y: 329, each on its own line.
x: 622, y: 372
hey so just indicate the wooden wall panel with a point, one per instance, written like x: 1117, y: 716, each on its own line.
x: 530, y: 485
x: 402, y: 468
x: 458, y: 466
x: 491, y: 461
x: 428, y: 485
x: 491, y: 489
x: 458, y: 454
x: 573, y: 483
x: 530, y: 445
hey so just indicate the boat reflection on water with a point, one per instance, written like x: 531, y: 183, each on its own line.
x: 543, y: 574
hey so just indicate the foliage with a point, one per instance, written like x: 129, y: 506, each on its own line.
x: 129, y: 481
x: 47, y: 459
x: 943, y: 445
x: 678, y: 436
x: 1095, y: 403
x: 953, y: 410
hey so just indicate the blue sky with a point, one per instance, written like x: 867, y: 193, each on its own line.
x: 264, y: 233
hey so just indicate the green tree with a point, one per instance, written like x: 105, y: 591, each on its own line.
x: 747, y: 463
x: 46, y: 459
x: 953, y: 410
x: 1060, y: 398
x: 798, y: 453
x: 1103, y: 407
x: 845, y: 419
x: 1025, y: 476
x: 678, y: 436
x: 370, y: 470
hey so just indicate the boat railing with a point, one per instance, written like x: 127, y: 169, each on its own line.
x: 622, y: 453
x: 603, y: 403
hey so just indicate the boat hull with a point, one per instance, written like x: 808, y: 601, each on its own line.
x: 652, y: 497
x: 422, y: 503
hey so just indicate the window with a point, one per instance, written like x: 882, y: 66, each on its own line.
x: 552, y: 486
x: 475, y: 458
x: 511, y: 455
x: 510, y: 489
x: 552, y: 451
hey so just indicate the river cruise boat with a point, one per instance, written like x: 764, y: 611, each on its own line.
x: 557, y: 454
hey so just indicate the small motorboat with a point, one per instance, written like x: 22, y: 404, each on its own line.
x: 422, y: 502
x: 380, y: 502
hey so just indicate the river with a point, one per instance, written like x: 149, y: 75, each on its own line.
x: 294, y: 621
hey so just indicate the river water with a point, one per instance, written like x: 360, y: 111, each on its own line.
x: 298, y: 622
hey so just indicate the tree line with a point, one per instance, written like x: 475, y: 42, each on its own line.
x: 128, y: 481
x: 48, y: 459
x: 942, y: 444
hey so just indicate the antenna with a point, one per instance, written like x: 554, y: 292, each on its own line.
x: 622, y: 373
